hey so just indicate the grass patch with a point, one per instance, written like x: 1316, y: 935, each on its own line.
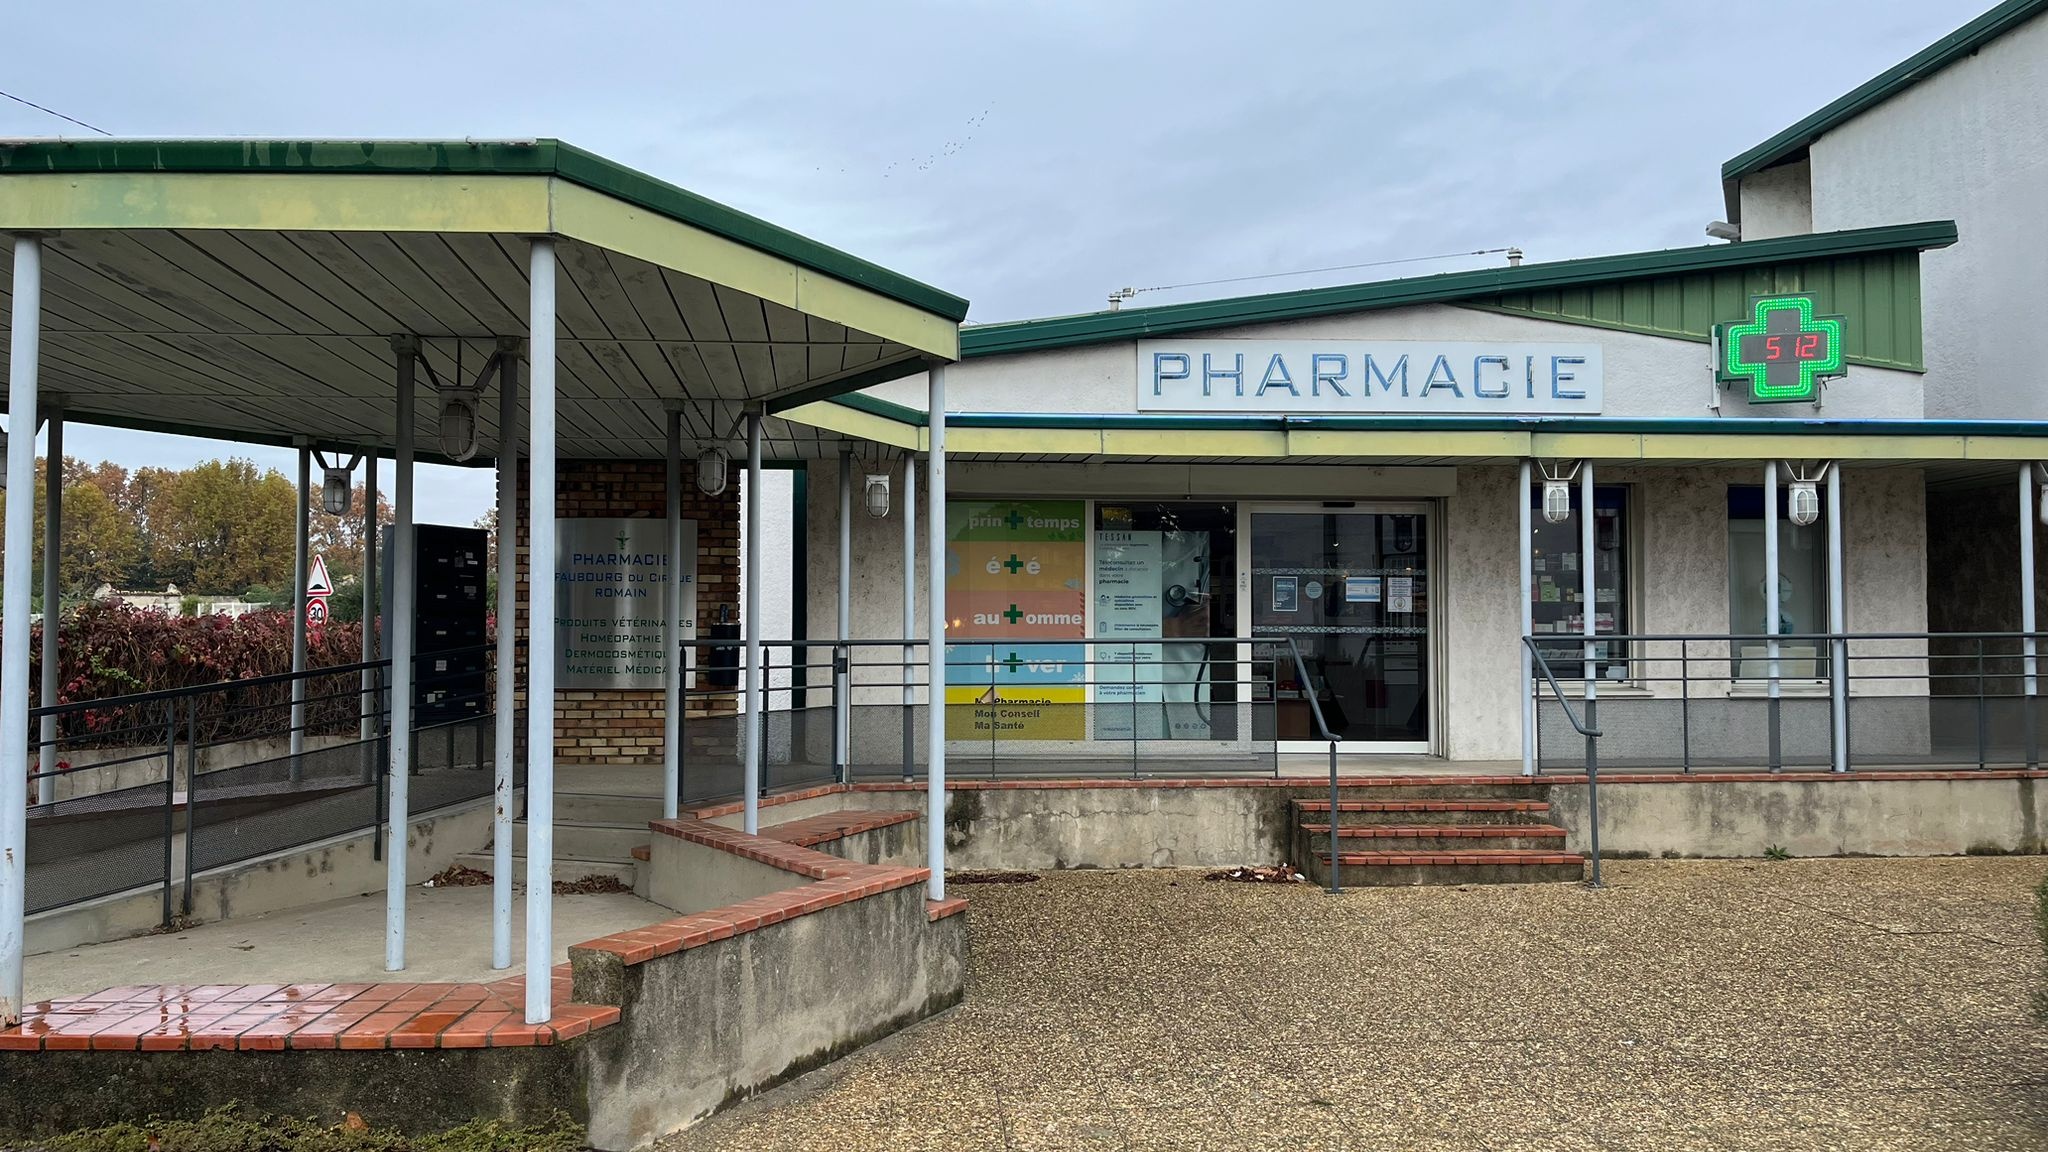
x: 231, y: 1129
x: 1777, y: 852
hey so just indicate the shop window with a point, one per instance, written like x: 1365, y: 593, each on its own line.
x: 1166, y: 577
x: 1556, y: 604
x: 1802, y: 585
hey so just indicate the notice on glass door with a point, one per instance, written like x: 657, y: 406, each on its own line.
x: 1400, y: 593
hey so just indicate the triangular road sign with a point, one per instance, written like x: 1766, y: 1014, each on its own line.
x: 317, y: 583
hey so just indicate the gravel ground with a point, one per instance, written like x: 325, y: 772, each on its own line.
x: 1753, y: 1005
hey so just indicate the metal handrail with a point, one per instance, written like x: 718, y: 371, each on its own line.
x: 1315, y: 711
x: 1592, y: 736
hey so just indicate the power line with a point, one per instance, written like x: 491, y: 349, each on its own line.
x: 57, y: 114
x: 1127, y: 293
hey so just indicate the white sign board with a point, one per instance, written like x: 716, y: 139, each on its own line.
x: 1369, y: 377
x: 611, y: 582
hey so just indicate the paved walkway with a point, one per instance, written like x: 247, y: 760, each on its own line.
x: 1865, y: 1004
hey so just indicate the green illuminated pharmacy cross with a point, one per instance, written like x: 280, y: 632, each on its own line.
x: 1785, y: 350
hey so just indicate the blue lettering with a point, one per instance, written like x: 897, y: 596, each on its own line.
x: 1529, y: 374
x: 1479, y: 379
x: 1371, y: 371
x: 1235, y: 375
x: 1277, y: 377
x: 1559, y: 378
x: 1440, y: 376
x: 1320, y: 375
x: 1160, y: 374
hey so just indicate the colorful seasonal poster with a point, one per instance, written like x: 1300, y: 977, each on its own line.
x: 1016, y: 585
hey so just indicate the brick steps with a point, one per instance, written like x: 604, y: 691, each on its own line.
x: 827, y: 827
x: 1417, y: 835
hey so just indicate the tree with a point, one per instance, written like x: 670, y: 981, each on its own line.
x: 340, y: 538
x: 232, y: 524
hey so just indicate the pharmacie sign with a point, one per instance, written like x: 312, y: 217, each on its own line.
x: 1367, y: 377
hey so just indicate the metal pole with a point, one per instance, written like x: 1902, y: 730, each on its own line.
x: 1771, y: 606
x: 372, y: 703
x: 2028, y: 666
x: 540, y: 636
x: 755, y: 700
x: 53, y: 583
x: 935, y: 635
x: 18, y: 565
x: 302, y: 529
x: 1838, y: 612
x: 1586, y: 592
x: 842, y: 674
x: 398, y: 777
x: 505, y: 706
x: 909, y: 613
x: 1526, y: 542
x: 672, y: 613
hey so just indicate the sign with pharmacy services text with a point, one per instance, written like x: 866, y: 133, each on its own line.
x: 1370, y: 377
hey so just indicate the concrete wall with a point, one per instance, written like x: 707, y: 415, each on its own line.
x: 710, y: 1026
x: 692, y: 878
x: 1778, y: 202
x: 1645, y: 375
x: 329, y: 870
x: 91, y: 774
x: 1082, y: 827
x: 1965, y: 144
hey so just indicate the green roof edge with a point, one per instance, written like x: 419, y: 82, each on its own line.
x: 543, y: 157
x: 1886, y: 84
x: 1168, y: 319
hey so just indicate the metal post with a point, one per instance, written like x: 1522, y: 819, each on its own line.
x: 1587, y: 552
x: 672, y: 612
x: 505, y: 705
x: 192, y: 793
x: 1771, y: 606
x: 909, y: 614
x: 755, y: 702
x: 540, y: 635
x: 935, y: 634
x: 2028, y: 666
x: 22, y: 358
x: 842, y: 672
x: 1838, y: 612
x: 1526, y: 542
x: 170, y: 796
x: 398, y: 777
x: 53, y: 582
x: 302, y: 528
x: 1684, y: 706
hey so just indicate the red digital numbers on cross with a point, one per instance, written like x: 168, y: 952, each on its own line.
x: 1808, y: 347
x: 1774, y: 347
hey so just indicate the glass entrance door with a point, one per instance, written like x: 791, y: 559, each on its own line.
x: 1351, y: 586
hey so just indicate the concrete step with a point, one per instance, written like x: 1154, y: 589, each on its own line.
x: 606, y: 808
x: 566, y: 867
x: 1352, y: 813
x: 1474, y: 866
x: 613, y: 842
x: 1451, y: 838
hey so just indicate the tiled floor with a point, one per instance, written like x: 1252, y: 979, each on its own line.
x: 271, y: 1017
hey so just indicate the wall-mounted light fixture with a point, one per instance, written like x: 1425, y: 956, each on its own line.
x: 337, y: 486
x: 875, y: 494
x: 1557, y: 490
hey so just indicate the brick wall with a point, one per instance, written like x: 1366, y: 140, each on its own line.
x: 622, y: 726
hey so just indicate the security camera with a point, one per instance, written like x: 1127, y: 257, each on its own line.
x: 1723, y: 230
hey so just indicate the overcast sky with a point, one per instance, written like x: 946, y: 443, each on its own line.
x: 1030, y: 155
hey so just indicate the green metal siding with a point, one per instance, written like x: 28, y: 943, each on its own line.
x: 1878, y: 293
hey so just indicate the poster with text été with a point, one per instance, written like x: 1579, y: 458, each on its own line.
x: 1016, y: 583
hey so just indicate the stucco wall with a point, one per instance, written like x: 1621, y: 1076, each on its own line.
x: 1970, y: 144
x: 1778, y: 202
x: 1645, y: 375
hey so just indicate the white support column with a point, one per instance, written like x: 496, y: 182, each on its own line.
x: 53, y: 573
x: 302, y: 529
x: 2029, y: 668
x: 505, y: 705
x: 398, y: 776
x: 909, y: 612
x: 1771, y: 605
x: 23, y: 355
x: 372, y: 703
x: 540, y: 637
x: 672, y: 611
x: 1527, y: 541
x: 1838, y: 613
x: 842, y: 675
x: 1587, y: 603
x: 935, y: 635
x: 756, y: 700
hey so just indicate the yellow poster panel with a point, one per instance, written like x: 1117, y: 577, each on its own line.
x: 1016, y: 712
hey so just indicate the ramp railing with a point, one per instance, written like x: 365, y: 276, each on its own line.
x: 1591, y: 763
